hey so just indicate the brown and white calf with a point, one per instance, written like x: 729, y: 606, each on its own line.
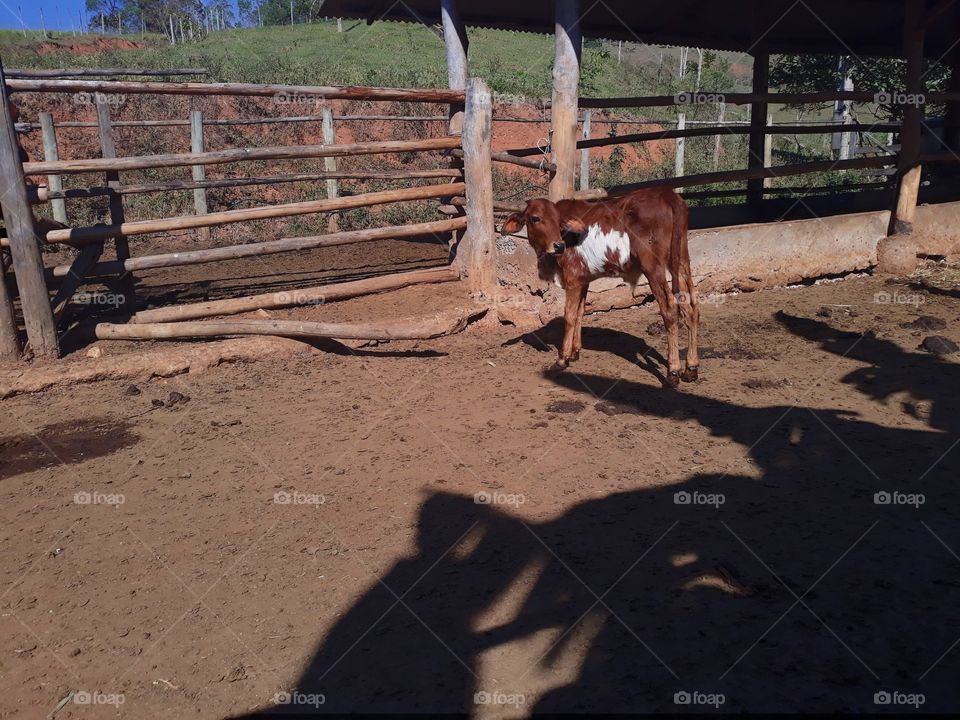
x: 643, y: 233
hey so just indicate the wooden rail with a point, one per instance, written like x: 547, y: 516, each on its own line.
x: 96, y: 233
x: 269, y: 247
x: 217, y: 157
x: 739, y: 176
x: 102, y: 72
x: 319, y: 92
x: 40, y: 194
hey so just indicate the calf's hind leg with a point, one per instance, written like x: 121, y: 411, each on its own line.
x: 690, y: 312
x: 668, y: 311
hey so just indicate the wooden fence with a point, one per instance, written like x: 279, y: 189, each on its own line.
x: 464, y: 188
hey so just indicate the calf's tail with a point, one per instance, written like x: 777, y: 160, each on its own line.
x: 678, y: 235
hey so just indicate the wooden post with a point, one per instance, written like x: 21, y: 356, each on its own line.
x: 457, y: 45
x: 718, y: 141
x: 24, y: 243
x: 476, y: 254
x: 330, y: 165
x: 758, y: 110
x: 198, y: 171
x: 585, y: 153
x: 681, y: 145
x: 9, y: 337
x: 768, y: 151
x: 908, y: 162
x: 121, y: 244
x: 566, y: 81
x: 50, y: 152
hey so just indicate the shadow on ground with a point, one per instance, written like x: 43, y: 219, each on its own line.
x: 813, y: 585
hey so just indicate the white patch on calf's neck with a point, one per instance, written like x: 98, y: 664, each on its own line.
x: 598, y: 246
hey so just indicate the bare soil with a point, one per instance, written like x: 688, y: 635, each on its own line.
x: 440, y: 526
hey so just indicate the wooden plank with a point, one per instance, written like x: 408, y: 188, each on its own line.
x: 477, y: 252
x: 51, y: 153
x: 143, y: 227
x: 295, y: 297
x: 24, y: 244
x: 815, y: 98
x: 285, y: 152
x: 41, y: 194
x: 566, y: 81
x: 409, y: 329
x: 330, y: 165
x: 270, y: 247
x: 320, y: 92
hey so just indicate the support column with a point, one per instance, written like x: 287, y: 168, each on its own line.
x: 758, y: 110
x: 51, y: 153
x: 457, y: 45
x: 566, y: 83
x: 898, y: 254
x: 24, y: 243
x: 585, y: 154
x: 477, y: 252
x: 330, y: 165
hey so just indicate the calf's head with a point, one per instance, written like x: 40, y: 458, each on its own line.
x: 547, y: 229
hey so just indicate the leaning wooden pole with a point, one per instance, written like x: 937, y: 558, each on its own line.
x: 477, y: 252
x: 24, y: 243
x: 566, y: 82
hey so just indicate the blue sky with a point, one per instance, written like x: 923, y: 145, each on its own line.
x: 57, y: 14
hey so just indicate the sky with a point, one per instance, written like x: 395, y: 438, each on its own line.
x: 63, y: 15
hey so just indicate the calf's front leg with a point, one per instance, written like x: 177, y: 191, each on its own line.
x: 571, y: 323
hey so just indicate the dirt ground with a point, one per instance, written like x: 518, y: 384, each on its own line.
x: 440, y: 526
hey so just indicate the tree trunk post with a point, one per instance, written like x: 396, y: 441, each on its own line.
x: 897, y: 254
x: 24, y: 243
x: 477, y: 252
x: 198, y: 172
x: 681, y: 146
x: 566, y: 83
x: 51, y: 152
x: 9, y: 337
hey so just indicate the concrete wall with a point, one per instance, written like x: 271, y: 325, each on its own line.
x: 739, y: 257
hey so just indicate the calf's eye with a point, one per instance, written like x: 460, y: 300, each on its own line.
x: 533, y: 219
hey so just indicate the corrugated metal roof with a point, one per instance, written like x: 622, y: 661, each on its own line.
x: 849, y: 27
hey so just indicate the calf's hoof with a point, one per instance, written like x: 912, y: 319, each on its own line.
x: 672, y: 380
x: 575, y: 356
x: 690, y: 374
x: 559, y: 366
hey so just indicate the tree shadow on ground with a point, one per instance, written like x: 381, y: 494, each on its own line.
x: 813, y: 583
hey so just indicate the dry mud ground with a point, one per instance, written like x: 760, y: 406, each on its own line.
x: 310, y: 527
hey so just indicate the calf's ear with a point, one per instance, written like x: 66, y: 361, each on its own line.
x: 573, y: 225
x: 513, y: 224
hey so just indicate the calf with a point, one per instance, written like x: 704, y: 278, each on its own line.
x: 643, y: 233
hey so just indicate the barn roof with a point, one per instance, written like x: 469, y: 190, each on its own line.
x: 840, y: 27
